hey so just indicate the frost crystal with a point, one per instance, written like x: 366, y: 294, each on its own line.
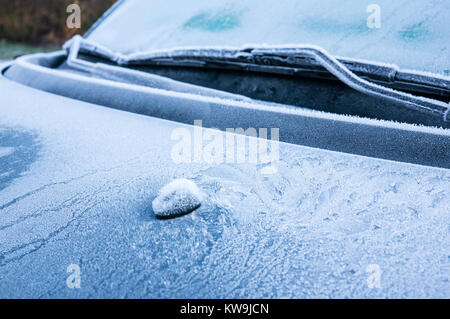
x: 177, y: 198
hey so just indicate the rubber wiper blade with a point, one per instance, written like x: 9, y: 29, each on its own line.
x: 359, y: 75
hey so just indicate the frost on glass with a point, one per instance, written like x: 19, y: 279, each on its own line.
x: 412, y: 34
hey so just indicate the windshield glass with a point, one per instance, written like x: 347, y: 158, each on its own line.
x: 414, y: 34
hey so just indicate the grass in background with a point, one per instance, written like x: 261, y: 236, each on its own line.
x: 30, y: 26
x: 9, y: 51
x: 40, y: 22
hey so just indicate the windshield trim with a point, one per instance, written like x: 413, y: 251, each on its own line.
x: 105, y: 15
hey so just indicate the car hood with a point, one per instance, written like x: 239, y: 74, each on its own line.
x: 77, y: 181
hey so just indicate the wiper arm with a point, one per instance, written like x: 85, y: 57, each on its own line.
x: 340, y: 71
x: 282, y: 59
x: 115, y: 73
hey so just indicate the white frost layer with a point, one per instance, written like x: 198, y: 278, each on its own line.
x: 179, y: 197
x: 413, y: 37
x: 5, y: 151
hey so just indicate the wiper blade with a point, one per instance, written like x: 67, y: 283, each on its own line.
x: 288, y: 60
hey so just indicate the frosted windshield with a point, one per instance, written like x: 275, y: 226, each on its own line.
x: 410, y: 33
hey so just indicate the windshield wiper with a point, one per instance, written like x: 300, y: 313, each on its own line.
x: 305, y: 59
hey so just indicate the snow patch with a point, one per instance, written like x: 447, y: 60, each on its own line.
x: 177, y: 198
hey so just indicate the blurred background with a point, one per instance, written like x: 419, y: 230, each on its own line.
x: 28, y: 26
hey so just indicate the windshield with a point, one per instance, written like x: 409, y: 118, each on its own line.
x: 410, y: 33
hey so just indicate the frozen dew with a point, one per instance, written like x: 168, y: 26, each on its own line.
x: 177, y: 198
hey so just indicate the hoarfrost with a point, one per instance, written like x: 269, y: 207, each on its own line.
x: 179, y: 197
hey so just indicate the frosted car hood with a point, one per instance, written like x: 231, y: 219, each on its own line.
x: 84, y: 177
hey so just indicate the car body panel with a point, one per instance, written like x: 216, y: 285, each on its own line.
x: 81, y: 192
x: 183, y: 103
